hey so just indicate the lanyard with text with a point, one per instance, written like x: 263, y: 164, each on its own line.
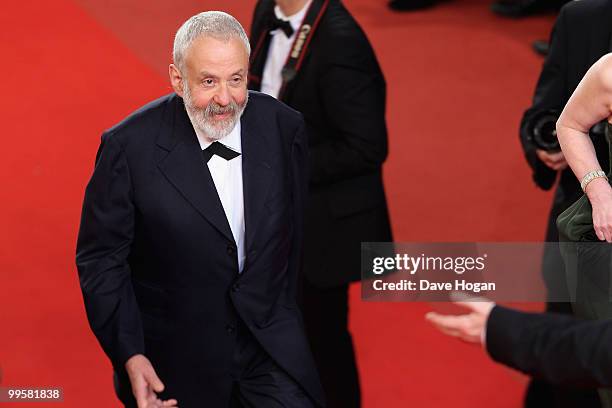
x: 302, y: 41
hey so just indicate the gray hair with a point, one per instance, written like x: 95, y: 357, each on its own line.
x: 216, y: 24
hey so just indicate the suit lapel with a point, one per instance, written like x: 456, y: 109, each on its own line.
x: 256, y: 172
x: 258, y: 60
x: 260, y: 42
x: 184, y: 167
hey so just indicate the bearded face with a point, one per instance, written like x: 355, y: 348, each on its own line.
x: 213, y: 83
x: 214, y: 120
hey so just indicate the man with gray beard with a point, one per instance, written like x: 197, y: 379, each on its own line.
x: 191, y: 236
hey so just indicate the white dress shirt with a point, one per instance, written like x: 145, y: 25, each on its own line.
x: 279, y: 49
x: 227, y: 176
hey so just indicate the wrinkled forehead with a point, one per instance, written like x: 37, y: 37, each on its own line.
x: 219, y: 56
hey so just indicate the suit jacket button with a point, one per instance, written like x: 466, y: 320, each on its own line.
x: 230, y: 328
x: 231, y: 250
x: 236, y: 287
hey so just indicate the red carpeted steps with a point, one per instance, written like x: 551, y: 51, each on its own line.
x: 458, y: 79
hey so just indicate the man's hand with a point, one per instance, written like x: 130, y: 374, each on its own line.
x: 468, y: 327
x: 555, y: 161
x: 145, y: 383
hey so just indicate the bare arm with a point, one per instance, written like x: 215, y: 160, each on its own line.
x: 589, y: 104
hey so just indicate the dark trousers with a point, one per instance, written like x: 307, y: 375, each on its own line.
x: 541, y: 394
x: 258, y: 382
x: 325, y: 313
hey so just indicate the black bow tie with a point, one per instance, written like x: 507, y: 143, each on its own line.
x: 276, y: 23
x: 220, y: 150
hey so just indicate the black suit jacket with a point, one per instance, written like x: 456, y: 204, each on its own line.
x: 340, y: 90
x: 557, y: 348
x: 581, y: 36
x: 157, y: 260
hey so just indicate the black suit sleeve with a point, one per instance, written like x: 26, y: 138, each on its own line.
x: 299, y: 170
x: 550, y: 94
x: 352, y: 92
x: 256, y: 22
x: 558, y: 348
x: 105, y: 237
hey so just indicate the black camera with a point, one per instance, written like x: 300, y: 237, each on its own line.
x: 543, y: 130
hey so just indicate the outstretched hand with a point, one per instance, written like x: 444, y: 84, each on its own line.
x: 468, y: 327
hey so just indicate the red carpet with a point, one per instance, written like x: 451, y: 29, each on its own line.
x: 458, y: 79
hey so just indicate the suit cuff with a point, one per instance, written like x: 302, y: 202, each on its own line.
x: 123, y: 355
x: 503, y: 332
x: 483, y: 334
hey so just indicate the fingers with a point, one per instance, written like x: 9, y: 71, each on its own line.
x: 145, y: 383
x: 474, y: 306
x: 602, y: 230
x: 468, y: 300
x: 555, y: 161
x: 480, y: 306
x: 449, y: 332
x: 141, y: 392
x: 152, y: 401
x: 605, y: 232
x: 145, y: 389
x: 148, y: 399
x: 562, y: 165
x: 467, y: 327
x: 446, y: 322
x: 454, y: 326
x: 556, y: 157
x: 602, y: 234
x: 153, y: 380
x: 556, y: 164
x: 543, y: 155
x: 598, y: 225
x: 442, y: 324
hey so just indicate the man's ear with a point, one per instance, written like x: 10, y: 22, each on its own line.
x: 176, y: 80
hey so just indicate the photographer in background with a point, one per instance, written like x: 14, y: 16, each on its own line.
x: 580, y: 37
x: 313, y: 56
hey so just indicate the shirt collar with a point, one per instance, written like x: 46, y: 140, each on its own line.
x: 295, y: 19
x: 232, y: 140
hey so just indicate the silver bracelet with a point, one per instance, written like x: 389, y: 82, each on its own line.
x: 590, y: 176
